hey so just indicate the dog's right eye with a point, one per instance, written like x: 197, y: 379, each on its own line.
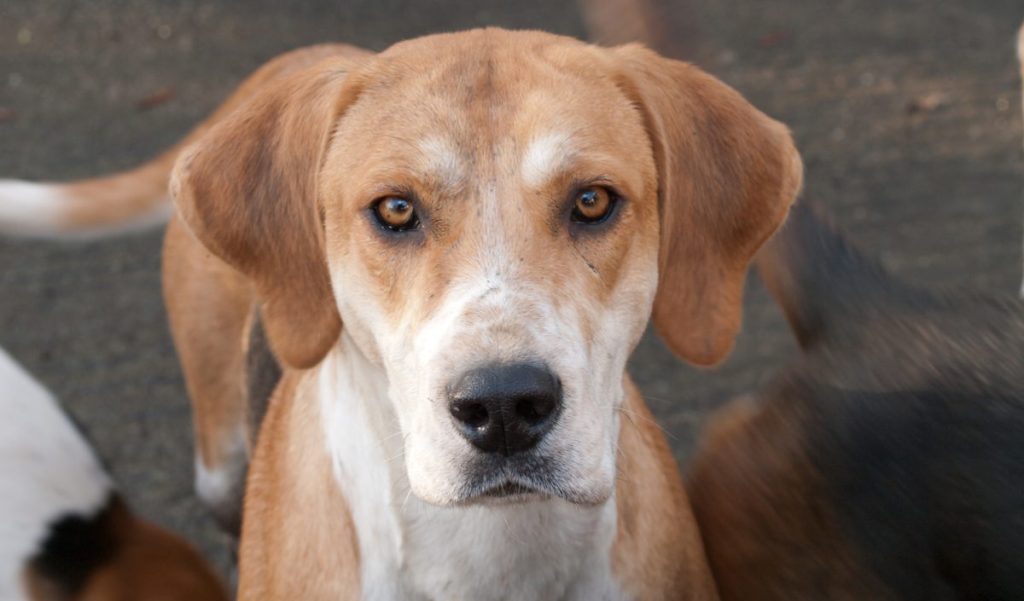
x: 396, y: 213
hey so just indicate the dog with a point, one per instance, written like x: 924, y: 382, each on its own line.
x: 888, y: 462
x: 494, y: 216
x: 66, y: 534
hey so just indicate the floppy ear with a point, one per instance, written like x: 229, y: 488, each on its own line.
x: 727, y: 175
x: 248, y: 191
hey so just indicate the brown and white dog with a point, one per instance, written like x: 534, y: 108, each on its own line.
x: 65, y: 533
x: 494, y: 216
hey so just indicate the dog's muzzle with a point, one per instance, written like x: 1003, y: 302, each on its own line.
x: 505, y: 410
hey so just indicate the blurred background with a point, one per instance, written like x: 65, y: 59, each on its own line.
x: 907, y: 115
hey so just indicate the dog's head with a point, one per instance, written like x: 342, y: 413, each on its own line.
x: 493, y: 216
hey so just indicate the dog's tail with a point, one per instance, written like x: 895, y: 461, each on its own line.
x: 817, y: 276
x: 133, y: 199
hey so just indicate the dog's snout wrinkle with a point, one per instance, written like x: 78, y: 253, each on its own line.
x: 506, y: 408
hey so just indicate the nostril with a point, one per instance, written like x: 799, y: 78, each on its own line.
x: 472, y: 413
x: 535, y: 409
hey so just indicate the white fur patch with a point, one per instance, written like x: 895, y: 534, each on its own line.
x: 47, y: 470
x: 544, y: 156
x: 221, y: 488
x: 410, y: 549
x: 38, y: 210
x: 29, y: 209
x: 212, y: 485
x: 442, y: 160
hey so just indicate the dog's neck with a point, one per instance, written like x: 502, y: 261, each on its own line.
x: 409, y: 549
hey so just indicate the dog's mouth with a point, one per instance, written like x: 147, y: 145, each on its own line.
x: 509, y: 490
x: 505, y: 480
x: 506, y: 492
x: 517, y: 481
x: 522, y: 479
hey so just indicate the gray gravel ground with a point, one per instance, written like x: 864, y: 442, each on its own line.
x: 935, y: 192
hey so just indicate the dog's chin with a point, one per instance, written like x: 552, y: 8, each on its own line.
x: 504, y: 490
x: 488, y: 480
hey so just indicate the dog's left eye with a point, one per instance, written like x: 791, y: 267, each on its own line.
x: 396, y: 213
x: 593, y: 205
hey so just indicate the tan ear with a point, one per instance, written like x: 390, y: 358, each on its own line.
x: 248, y: 191
x: 727, y: 175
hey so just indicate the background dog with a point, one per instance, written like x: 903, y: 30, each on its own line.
x: 65, y: 532
x: 888, y: 462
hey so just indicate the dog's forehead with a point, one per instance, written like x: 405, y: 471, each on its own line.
x: 533, y: 109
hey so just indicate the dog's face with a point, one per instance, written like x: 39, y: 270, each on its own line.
x: 491, y: 213
x: 496, y: 214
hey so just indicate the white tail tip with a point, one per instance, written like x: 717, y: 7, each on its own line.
x: 40, y: 210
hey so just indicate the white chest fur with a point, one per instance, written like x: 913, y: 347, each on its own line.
x: 411, y: 550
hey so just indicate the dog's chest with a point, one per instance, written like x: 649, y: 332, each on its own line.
x: 539, y: 550
x: 412, y: 550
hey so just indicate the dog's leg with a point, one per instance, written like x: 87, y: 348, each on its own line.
x: 210, y: 308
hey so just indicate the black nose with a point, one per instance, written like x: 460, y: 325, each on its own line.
x: 505, y: 408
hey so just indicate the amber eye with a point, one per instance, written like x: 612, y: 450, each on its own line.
x: 593, y: 205
x: 396, y: 213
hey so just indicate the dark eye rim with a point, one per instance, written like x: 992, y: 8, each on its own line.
x: 615, y: 200
x: 415, y: 224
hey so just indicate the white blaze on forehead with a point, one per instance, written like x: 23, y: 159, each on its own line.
x: 544, y: 156
x: 442, y: 159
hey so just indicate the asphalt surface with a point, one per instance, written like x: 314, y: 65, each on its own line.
x: 907, y: 114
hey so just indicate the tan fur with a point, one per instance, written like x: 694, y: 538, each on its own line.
x: 264, y: 224
x: 119, y: 197
x: 744, y: 190
x: 297, y: 527
x: 655, y: 561
x: 209, y: 304
x: 727, y: 175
